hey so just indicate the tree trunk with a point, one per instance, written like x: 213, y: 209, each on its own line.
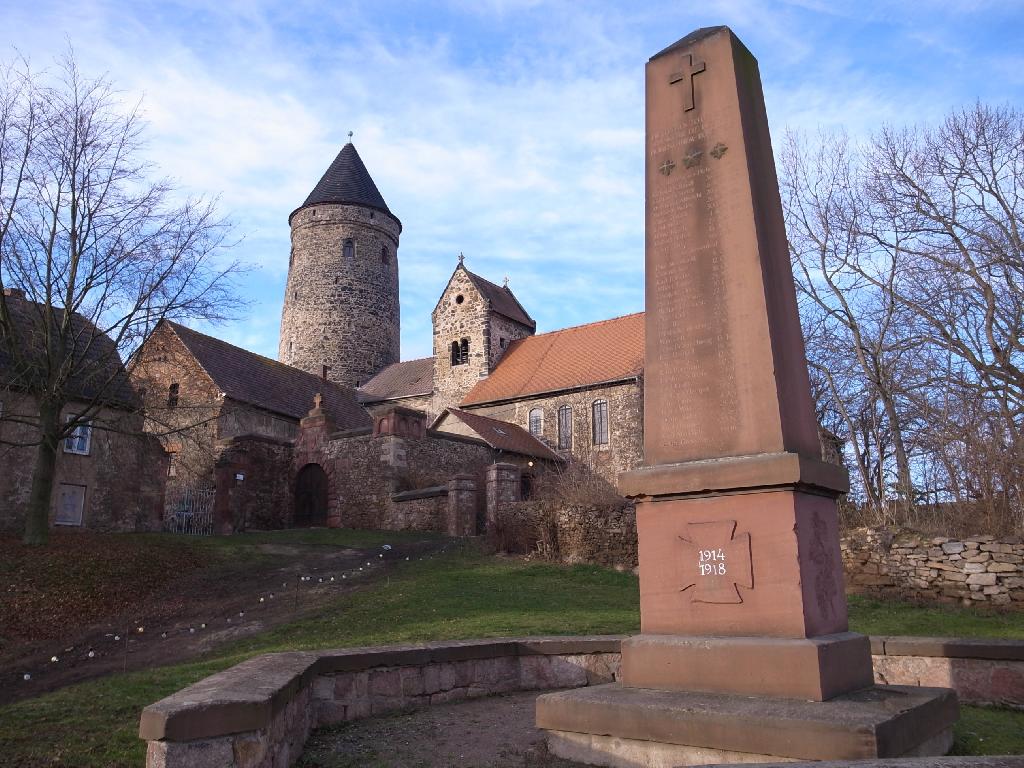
x: 37, y: 520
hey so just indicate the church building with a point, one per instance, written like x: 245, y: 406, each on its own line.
x: 340, y: 431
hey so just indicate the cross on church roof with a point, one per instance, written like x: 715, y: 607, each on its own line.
x: 318, y: 400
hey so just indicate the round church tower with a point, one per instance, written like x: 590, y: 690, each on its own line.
x: 341, y: 316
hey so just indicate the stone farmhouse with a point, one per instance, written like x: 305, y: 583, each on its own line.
x: 108, y: 471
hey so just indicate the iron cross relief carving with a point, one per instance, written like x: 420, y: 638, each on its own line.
x: 716, y: 562
x: 686, y: 75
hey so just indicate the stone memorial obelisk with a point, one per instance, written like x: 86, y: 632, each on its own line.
x: 741, y: 582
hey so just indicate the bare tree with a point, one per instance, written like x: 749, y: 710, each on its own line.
x: 856, y: 341
x: 100, y: 251
x: 909, y: 251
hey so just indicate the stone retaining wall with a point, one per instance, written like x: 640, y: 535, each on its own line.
x: 899, y: 563
x: 259, y: 713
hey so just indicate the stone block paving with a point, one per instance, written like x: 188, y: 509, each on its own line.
x: 496, y: 732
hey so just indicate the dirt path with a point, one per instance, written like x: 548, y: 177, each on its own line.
x: 203, y: 610
x: 496, y: 732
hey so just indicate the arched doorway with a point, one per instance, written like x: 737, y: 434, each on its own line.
x: 310, y: 496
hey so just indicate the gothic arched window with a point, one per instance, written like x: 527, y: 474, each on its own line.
x: 536, y: 422
x: 565, y: 428
x: 348, y: 248
x: 599, y: 413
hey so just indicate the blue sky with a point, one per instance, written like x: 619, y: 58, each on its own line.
x: 509, y: 130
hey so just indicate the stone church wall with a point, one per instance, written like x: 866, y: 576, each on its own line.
x: 341, y: 311
x: 625, y: 448
x: 502, y: 328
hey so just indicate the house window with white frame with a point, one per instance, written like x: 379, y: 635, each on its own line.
x: 79, y: 439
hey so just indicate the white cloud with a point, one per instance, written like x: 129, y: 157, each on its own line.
x: 513, y: 133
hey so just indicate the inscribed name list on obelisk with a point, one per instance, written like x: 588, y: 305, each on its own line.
x: 685, y: 276
x: 710, y: 384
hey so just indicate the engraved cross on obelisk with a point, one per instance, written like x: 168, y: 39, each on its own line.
x: 689, y: 69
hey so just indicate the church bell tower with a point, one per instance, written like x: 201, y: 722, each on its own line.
x: 341, y: 314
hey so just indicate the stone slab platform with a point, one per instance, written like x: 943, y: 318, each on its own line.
x: 878, y: 722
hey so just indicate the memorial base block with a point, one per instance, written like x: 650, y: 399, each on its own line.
x: 612, y: 725
x: 815, y: 669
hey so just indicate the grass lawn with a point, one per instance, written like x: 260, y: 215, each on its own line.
x: 458, y: 595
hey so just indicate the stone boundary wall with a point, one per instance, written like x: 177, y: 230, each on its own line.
x: 888, y: 562
x: 258, y: 714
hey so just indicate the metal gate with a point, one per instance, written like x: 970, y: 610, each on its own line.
x: 189, y: 510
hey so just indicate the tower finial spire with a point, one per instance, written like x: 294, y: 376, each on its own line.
x: 505, y: 281
x: 350, y: 137
x: 461, y: 257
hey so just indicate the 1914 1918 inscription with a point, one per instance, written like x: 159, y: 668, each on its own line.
x: 716, y: 561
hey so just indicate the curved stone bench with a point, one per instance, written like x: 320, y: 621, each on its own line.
x: 258, y: 714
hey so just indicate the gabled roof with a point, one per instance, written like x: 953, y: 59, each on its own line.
x: 346, y: 181
x: 405, y: 379
x: 100, y: 374
x: 259, y: 381
x: 502, y: 300
x: 584, y: 355
x: 501, y: 435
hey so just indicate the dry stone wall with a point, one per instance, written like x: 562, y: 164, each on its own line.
x: 341, y: 310
x: 900, y: 563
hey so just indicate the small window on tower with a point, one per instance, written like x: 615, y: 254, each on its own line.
x: 502, y: 342
x: 291, y: 257
x: 348, y: 248
x: 460, y: 352
x: 383, y: 254
x: 459, y: 299
x: 172, y: 395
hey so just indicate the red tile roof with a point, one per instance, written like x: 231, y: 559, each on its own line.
x: 609, y: 350
x: 256, y: 380
x: 502, y: 300
x: 405, y: 379
x: 503, y: 436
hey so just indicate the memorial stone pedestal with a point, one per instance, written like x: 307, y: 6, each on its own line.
x: 744, y: 652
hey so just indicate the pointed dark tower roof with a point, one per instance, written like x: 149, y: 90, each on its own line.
x: 347, y: 181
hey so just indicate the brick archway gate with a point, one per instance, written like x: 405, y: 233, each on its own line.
x: 310, y: 497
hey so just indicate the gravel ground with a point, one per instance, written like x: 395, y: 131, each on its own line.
x: 495, y: 732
